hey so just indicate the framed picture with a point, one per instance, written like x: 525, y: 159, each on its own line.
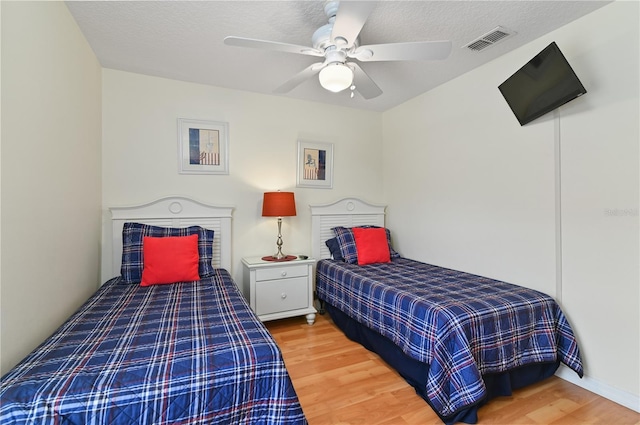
x: 315, y: 165
x: 203, y: 147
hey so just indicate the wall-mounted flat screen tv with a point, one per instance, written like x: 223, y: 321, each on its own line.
x: 544, y: 83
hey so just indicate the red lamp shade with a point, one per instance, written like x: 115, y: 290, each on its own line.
x: 278, y: 204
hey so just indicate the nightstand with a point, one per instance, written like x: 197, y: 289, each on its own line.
x: 279, y: 289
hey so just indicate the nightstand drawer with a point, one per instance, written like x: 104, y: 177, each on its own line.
x: 282, y: 295
x: 283, y: 272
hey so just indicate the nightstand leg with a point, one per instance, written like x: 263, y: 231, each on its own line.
x: 311, y: 317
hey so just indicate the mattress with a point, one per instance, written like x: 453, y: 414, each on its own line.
x: 165, y: 354
x: 462, y: 325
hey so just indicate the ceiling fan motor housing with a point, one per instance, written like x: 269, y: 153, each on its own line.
x: 335, y: 55
x: 321, y: 38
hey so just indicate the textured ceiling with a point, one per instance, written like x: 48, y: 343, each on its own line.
x: 183, y: 40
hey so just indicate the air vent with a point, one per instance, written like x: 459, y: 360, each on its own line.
x: 489, y: 39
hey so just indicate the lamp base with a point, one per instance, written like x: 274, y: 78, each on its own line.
x: 285, y: 258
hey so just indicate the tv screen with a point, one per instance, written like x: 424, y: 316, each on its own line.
x: 544, y: 83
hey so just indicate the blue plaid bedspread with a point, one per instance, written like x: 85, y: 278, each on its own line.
x: 460, y: 324
x: 184, y: 353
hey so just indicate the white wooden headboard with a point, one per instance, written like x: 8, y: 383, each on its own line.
x: 176, y: 211
x: 348, y: 212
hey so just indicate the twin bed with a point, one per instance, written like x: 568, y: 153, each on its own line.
x: 194, y: 352
x: 180, y: 353
x: 457, y: 338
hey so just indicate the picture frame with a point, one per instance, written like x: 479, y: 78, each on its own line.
x: 315, y: 165
x: 203, y: 147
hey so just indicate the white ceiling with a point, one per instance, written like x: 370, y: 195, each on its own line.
x: 183, y: 40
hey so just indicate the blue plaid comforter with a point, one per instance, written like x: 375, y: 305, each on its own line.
x: 169, y: 354
x: 460, y: 324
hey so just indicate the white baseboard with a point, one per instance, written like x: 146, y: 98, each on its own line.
x: 632, y: 401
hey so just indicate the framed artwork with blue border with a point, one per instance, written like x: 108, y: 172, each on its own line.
x: 315, y: 165
x: 203, y: 147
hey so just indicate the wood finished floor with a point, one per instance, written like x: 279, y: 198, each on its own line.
x: 340, y: 382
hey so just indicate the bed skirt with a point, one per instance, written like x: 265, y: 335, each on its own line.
x: 415, y: 372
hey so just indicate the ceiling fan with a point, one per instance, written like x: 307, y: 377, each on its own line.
x: 337, y: 42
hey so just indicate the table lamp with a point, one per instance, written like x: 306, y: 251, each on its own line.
x: 279, y: 204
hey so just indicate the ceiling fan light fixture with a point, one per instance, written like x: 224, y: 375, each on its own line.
x: 336, y: 77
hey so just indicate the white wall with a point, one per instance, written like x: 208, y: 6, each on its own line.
x: 140, y: 148
x: 50, y: 173
x: 600, y: 198
x: 479, y: 191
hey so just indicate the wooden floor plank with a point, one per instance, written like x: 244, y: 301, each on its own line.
x: 339, y: 382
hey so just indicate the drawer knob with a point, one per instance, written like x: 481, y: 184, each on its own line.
x: 283, y: 273
x: 283, y: 296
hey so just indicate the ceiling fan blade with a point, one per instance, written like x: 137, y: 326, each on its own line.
x: 415, y: 51
x: 350, y: 19
x: 364, y: 84
x: 299, y: 78
x: 271, y: 45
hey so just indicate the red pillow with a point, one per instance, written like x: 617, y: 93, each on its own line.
x: 372, y: 245
x: 169, y: 259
